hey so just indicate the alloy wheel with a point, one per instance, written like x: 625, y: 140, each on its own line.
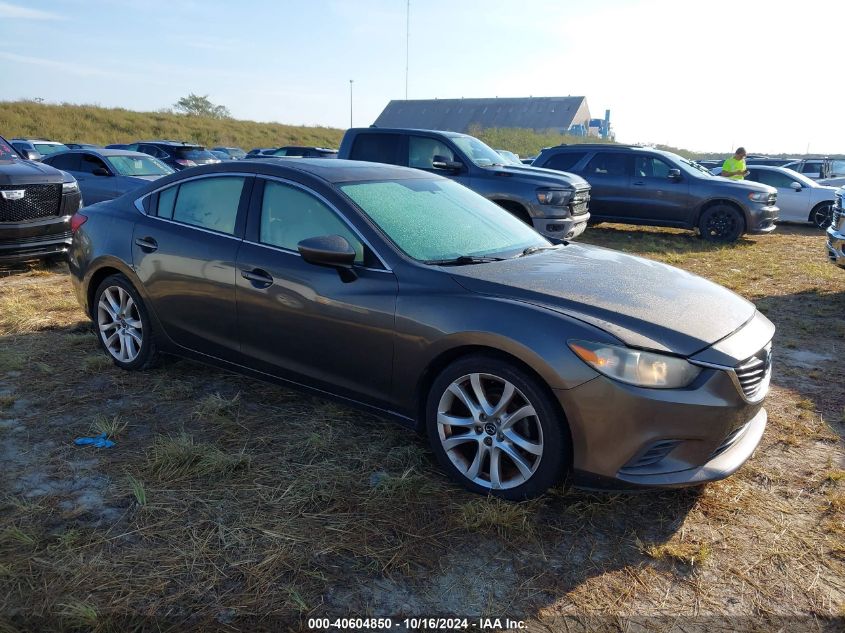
x: 490, y: 431
x: 120, y: 324
x: 823, y: 216
x: 721, y: 224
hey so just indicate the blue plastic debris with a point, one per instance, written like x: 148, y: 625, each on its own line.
x: 97, y: 442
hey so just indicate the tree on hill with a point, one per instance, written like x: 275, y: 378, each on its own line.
x: 196, y: 105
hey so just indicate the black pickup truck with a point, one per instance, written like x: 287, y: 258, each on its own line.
x: 555, y: 204
x: 36, y: 203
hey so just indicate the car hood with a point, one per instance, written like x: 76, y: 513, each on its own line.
x: 27, y: 172
x: 543, y: 177
x: 643, y: 303
x: 746, y: 185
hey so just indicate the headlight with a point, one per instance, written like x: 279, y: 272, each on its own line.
x: 554, y: 197
x: 758, y: 196
x: 644, y: 369
x: 70, y: 187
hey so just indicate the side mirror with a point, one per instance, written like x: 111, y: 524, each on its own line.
x: 441, y: 162
x: 101, y: 171
x: 31, y: 154
x: 674, y: 174
x: 332, y: 251
x: 796, y: 186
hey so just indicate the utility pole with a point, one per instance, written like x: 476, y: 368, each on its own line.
x: 351, y: 81
x: 407, y: 43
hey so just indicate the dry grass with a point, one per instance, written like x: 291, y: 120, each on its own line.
x: 229, y: 504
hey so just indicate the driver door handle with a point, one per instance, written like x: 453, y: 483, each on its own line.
x: 257, y: 277
x: 147, y: 244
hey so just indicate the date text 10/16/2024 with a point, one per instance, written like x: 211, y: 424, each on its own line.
x: 382, y: 624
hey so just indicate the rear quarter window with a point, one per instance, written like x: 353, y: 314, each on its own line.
x: 377, y: 148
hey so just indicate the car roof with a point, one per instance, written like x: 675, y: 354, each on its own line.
x: 329, y: 169
x: 101, y: 151
x: 395, y: 130
x: 37, y: 140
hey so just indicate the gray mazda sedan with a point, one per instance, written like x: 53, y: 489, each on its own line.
x: 407, y: 294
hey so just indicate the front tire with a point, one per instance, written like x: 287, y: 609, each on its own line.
x: 123, y: 326
x: 495, y: 429
x: 822, y: 215
x: 721, y: 223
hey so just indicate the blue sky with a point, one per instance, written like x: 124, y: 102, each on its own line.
x: 700, y: 75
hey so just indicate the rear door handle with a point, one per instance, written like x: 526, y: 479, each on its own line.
x: 147, y: 244
x: 257, y: 277
x: 638, y: 183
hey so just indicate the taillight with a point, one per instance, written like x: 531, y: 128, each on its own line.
x: 77, y: 220
x: 185, y: 163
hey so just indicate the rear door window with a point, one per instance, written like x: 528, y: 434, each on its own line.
x: 67, y: 162
x: 378, y: 148
x: 208, y: 203
x: 608, y: 164
x: 564, y: 161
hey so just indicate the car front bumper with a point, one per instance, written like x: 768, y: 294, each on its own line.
x: 32, y: 240
x: 632, y: 437
x: 566, y: 228
x: 836, y: 244
x: 762, y: 219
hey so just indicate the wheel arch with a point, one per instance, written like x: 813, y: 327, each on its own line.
x: 515, y: 208
x: 821, y: 203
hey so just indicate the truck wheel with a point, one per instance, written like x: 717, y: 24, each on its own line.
x: 721, y: 223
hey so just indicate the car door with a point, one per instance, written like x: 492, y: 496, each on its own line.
x: 185, y: 252
x: 655, y: 196
x: 794, y: 204
x: 304, y: 322
x: 609, y: 175
x: 97, y: 181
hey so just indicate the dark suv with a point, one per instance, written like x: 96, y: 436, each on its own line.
x: 554, y: 204
x: 36, y: 202
x: 641, y: 185
x: 174, y: 153
x: 295, y: 151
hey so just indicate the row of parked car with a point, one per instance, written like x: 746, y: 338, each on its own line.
x: 564, y: 189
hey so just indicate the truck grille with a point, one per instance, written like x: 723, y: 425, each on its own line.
x: 39, y: 201
x: 753, y: 375
x: 837, y: 211
x: 772, y: 199
x: 580, y: 202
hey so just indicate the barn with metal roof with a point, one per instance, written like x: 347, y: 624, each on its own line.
x: 561, y: 114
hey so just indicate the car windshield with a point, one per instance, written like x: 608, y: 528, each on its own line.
x: 193, y: 153
x: 432, y: 220
x: 509, y: 157
x: 138, y: 166
x: 478, y: 152
x: 693, y: 167
x: 235, y: 152
x: 50, y: 148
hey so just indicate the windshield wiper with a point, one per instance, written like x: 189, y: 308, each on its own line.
x: 463, y: 260
x: 536, y: 249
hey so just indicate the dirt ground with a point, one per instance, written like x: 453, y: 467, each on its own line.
x: 230, y: 504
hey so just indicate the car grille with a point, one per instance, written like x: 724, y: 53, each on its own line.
x: 50, y: 237
x: 772, y: 199
x: 580, y: 202
x: 753, y: 375
x: 39, y: 201
x: 838, y: 213
x: 654, y: 454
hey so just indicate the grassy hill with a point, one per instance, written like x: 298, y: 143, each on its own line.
x: 92, y: 124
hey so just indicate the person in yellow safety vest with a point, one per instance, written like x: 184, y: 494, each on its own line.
x: 734, y: 167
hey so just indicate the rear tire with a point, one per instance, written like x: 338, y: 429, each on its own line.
x: 721, y: 223
x: 822, y: 215
x: 495, y: 430
x: 123, y: 325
